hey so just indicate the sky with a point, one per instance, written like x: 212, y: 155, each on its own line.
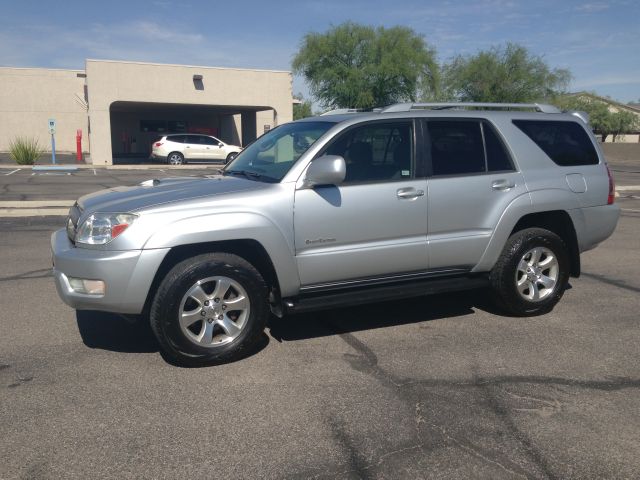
x: 599, y: 42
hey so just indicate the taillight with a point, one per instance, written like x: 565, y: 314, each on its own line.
x: 612, y: 188
x: 157, y: 144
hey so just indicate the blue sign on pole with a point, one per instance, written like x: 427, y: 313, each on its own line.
x: 52, y: 131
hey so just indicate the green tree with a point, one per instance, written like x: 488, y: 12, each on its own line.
x: 358, y: 66
x: 503, y: 74
x: 603, y: 121
x: 303, y: 109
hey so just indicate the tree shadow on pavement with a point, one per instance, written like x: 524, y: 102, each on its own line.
x: 379, y: 315
x: 108, y: 331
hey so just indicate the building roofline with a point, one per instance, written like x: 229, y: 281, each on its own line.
x: 606, y: 100
x: 75, y: 70
x: 134, y: 62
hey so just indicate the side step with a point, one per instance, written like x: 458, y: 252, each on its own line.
x: 381, y: 293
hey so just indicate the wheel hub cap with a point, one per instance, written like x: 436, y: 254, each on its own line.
x: 214, y: 311
x: 537, y: 274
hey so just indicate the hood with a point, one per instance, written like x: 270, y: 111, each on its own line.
x: 167, y: 190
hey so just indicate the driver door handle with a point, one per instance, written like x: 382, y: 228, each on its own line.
x: 409, y: 193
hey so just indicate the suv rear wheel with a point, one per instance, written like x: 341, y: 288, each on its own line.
x: 531, y: 274
x: 175, y: 158
x: 210, y: 309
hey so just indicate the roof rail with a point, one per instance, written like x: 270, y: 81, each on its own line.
x: 584, y: 116
x: 405, y: 107
x: 341, y: 111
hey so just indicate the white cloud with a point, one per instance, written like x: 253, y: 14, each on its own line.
x: 136, y: 40
x: 592, y: 7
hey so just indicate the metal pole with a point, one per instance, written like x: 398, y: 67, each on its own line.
x: 53, y: 148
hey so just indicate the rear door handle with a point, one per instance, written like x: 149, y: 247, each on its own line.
x: 409, y: 193
x: 502, y: 184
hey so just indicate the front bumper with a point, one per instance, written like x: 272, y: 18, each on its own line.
x: 127, y: 274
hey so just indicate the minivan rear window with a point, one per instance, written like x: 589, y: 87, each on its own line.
x: 566, y: 143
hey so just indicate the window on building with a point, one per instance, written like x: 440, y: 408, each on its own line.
x: 158, y: 126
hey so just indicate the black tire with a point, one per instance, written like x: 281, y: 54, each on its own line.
x: 503, y: 275
x: 179, y: 158
x: 166, y: 305
x: 230, y: 157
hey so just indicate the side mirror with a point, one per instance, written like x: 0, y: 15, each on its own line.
x: 326, y: 170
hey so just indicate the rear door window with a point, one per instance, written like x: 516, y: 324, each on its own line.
x: 465, y: 147
x: 176, y: 138
x: 564, y: 142
x: 208, y: 141
x: 456, y: 147
x: 498, y: 159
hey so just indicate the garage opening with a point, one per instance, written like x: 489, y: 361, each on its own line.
x: 135, y: 126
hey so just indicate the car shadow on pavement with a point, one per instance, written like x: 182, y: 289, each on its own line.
x: 117, y: 333
x: 379, y: 315
x: 131, y: 334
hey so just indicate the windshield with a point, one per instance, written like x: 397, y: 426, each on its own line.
x: 272, y: 155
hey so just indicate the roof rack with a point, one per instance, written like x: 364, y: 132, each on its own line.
x: 341, y: 111
x: 406, y: 107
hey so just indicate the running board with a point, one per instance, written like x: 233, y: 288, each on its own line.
x: 381, y: 293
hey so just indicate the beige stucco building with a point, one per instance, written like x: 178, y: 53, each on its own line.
x: 122, y: 107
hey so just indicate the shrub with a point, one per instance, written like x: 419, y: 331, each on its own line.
x: 25, y: 150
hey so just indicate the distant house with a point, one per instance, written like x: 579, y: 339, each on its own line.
x: 632, y: 137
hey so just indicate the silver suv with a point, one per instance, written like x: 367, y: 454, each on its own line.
x: 344, y: 209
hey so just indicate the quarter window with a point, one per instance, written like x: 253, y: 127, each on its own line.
x: 566, y: 143
x: 376, y: 152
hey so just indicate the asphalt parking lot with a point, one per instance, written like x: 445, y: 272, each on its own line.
x: 433, y: 387
x: 27, y: 184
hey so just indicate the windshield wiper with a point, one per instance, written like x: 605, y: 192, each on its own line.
x: 248, y: 174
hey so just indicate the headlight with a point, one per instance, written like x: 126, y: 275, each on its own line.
x: 101, y: 228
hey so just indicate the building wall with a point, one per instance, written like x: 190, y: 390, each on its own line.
x: 30, y: 96
x: 110, y: 81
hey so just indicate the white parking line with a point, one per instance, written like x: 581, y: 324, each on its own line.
x: 16, y: 170
x: 94, y: 171
x: 35, y: 203
x: 630, y: 210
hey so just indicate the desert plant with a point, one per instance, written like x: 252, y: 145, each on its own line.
x: 25, y: 150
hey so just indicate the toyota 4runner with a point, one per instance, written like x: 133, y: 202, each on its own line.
x: 343, y: 209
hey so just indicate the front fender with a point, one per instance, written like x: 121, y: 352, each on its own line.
x: 234, y: 226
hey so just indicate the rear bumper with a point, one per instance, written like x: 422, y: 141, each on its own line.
x: 127, y: 275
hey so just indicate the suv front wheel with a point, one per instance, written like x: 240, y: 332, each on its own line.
x: 210, y: 309
x: 532, y: 272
